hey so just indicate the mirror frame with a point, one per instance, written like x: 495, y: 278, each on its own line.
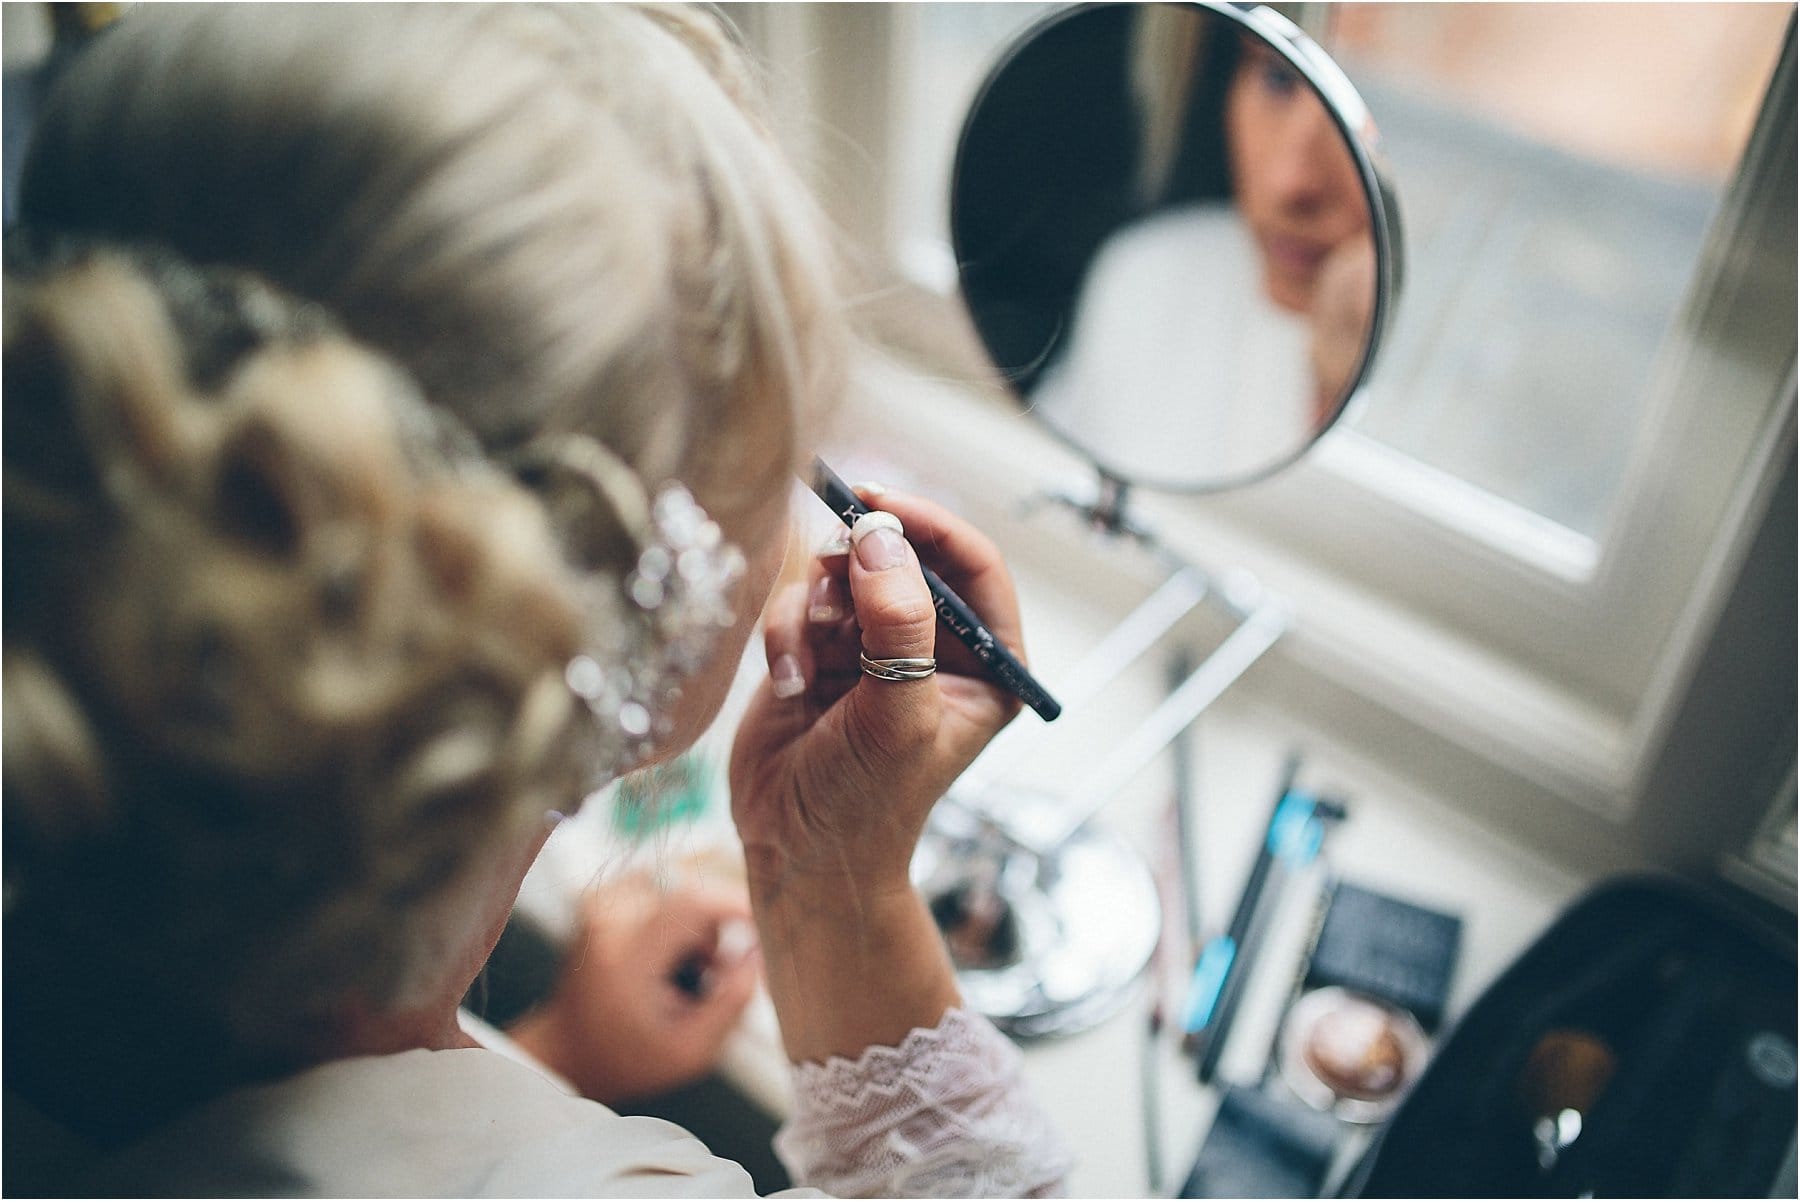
x: 1351, y: 117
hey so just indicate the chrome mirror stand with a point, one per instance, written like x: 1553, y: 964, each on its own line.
x: 1049, y: 920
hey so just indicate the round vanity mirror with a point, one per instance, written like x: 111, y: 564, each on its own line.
x: 1180, y: 249
x: 1175, y: 238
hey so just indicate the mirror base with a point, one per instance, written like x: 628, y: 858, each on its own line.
x: 1045, y: 944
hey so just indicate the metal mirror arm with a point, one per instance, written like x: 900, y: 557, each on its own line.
x: 1106, y: 512
x: 1261, y: 618
x: 1259, y: 630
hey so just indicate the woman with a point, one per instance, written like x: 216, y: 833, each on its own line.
x: 402, y: 404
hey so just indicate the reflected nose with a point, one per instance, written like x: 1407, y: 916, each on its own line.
x: 1304, y: 172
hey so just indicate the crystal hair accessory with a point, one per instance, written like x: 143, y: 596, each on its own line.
x: 661, y: 582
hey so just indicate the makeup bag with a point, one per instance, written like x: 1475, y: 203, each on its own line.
x: 1644, y: 1046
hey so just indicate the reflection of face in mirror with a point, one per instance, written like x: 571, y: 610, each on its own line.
x: 1297, y: 189
x: 1294, y: 182
x: 1167, y: 243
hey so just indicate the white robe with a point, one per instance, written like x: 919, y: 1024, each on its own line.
x: 1180, y: 371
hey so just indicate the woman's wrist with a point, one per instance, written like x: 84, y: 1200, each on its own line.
x: 777, y: 878
x: 849, y: 964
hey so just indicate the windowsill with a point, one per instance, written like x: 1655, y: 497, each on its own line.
x: 1520, y: 754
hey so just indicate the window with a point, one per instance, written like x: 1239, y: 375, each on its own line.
x: 1561, y: 167
x: 1590, y: 381
x: 1522, y: 536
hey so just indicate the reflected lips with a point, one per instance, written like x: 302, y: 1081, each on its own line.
x: 1298, y: 258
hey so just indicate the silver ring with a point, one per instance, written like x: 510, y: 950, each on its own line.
x: 898, y: 670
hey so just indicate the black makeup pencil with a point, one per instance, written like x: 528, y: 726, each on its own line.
x: 952, y: 611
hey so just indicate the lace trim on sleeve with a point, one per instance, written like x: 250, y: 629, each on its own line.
x: 944, y: 1114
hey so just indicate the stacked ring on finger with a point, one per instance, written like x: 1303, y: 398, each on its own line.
x: 898, y: 670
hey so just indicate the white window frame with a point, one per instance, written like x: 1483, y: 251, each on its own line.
x: 1454, y: 612
x: 1597, y: 649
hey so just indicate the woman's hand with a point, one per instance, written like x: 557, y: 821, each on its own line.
x: 1343, y: 305
x: 833, y: 772
x: 651, y: 990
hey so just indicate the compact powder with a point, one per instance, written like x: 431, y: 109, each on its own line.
x: 1349, y: 1054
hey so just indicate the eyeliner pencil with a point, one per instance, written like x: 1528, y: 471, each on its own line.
x: 952, y: 611
x: 1219, y: 973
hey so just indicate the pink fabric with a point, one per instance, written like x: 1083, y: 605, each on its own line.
x: 944, y: 1114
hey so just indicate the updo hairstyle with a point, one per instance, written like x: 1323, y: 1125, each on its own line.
x: 282, y: 649
x: 285, y: 637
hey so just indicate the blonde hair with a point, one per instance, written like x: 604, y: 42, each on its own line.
x: 524, y: 220
x: 557, y: 217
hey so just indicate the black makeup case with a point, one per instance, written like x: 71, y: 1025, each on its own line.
x: 1660, y: 1017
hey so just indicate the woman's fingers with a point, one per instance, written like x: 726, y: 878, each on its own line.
x: 785, y: 642
x: 893, y: 607
x: 810, y: 638
x: 828, y: 591
x: 971, y: 565
x: 872, y: 598
x: 892, y: 718
x: 832, y: 635
x: 966, y: 558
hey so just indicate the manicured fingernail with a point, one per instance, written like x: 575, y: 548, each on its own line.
x: 869, y: 488
x: 826, y: 603
x: 737, y: 939
x: 837, y: 544
x: 880, y: 541
x: 785, y: 678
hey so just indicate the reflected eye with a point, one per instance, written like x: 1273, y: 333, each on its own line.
x: 1277, y: 78
x: 1269, y: 73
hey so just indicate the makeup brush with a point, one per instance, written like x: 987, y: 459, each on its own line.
x: 1563, y: 1076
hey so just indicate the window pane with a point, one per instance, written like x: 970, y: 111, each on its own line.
x: 1557, y: 167
x: 944, y: 53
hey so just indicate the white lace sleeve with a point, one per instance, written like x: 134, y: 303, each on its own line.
x: 944, y: 1114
